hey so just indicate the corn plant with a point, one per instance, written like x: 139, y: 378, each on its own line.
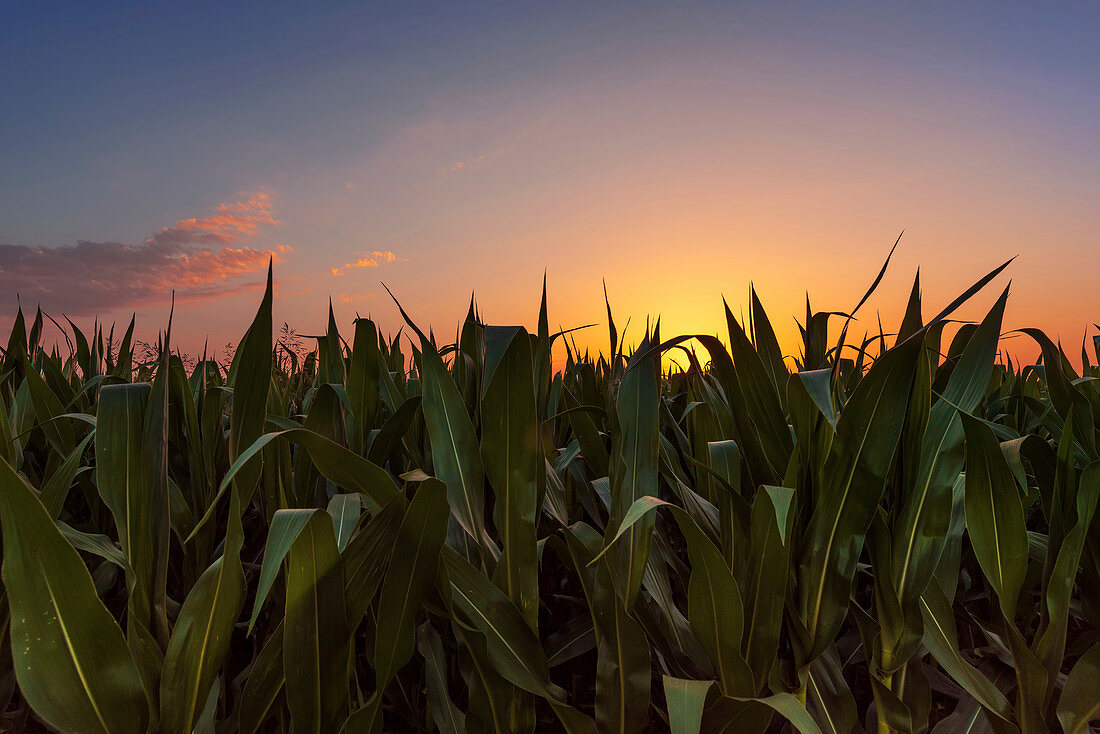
x: 891, y: 533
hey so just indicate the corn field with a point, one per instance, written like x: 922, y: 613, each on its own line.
x: 388, y: 534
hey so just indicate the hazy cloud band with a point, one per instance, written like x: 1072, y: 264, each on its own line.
x: 197, y: 257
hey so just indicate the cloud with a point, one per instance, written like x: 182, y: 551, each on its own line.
x: 301, y: 291
x: 354, y: 297
x: 200, y: 258
x: 232, y: 223
x: 459, y: 165
x: 485, y: 159
x: 369, y: 260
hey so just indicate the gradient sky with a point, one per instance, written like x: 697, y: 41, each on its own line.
x: 677, y: 152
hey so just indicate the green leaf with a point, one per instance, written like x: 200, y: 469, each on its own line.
x: 47, y: 406
x: 366, y: 556
x: 791, y: 709
x: 724, y: 459
x: 512, y: 647
x: 455, y: 453
x: 409, y: 578
x: 818, y: 384
x: 994, y: 515
x: 1050, y: 645
x: 364, y: 561
x: 941, y: 639
x: 316, y: 638
x: 1079, y: 705
x: 920, y: 532
x: 714, y: 601
x: 344, y: 509
x: 250, y: 377
x: 362, y: 381
x: 685, y: 700
x: 829, y: 699
x: 265, y: 681
x: 393, y: 430
x: 852, y: 483
x: 340, y: 466
x: 56, y: 488
x: 126, y: 469
x: 767, y: 346
x: 94, y: 543
x: 286, y: 526
x: 623, y: 670
x: 446, y: 715
x: 592, y: 445
x: 69, y: 654
x: 756, y: 401
x: 634, y: 468
x: 509, y: 449
x: 766, y: 593
x: 202, y: 633
x: 330, y: 357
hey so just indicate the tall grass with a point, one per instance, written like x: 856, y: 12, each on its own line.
x: 897, y: 537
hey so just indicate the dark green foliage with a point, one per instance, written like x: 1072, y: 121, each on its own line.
x: 884, y: 535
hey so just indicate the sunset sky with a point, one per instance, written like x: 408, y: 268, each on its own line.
x: 677, y: 152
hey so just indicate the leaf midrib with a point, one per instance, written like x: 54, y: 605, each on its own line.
x: 72, y: 653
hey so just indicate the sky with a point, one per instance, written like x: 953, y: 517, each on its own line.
x: 677, y: 152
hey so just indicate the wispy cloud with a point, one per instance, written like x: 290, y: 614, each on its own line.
x: 198, y: 257
x: 354, y: 297
x: 459, y: 165
x: 487, y: 158
x: 369, y: 260
x: 231, y: 223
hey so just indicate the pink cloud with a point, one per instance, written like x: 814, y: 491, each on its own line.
x: 369, y: 260
x: 354, y: 297
x: 232, y: 223
x: 199, y: 257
